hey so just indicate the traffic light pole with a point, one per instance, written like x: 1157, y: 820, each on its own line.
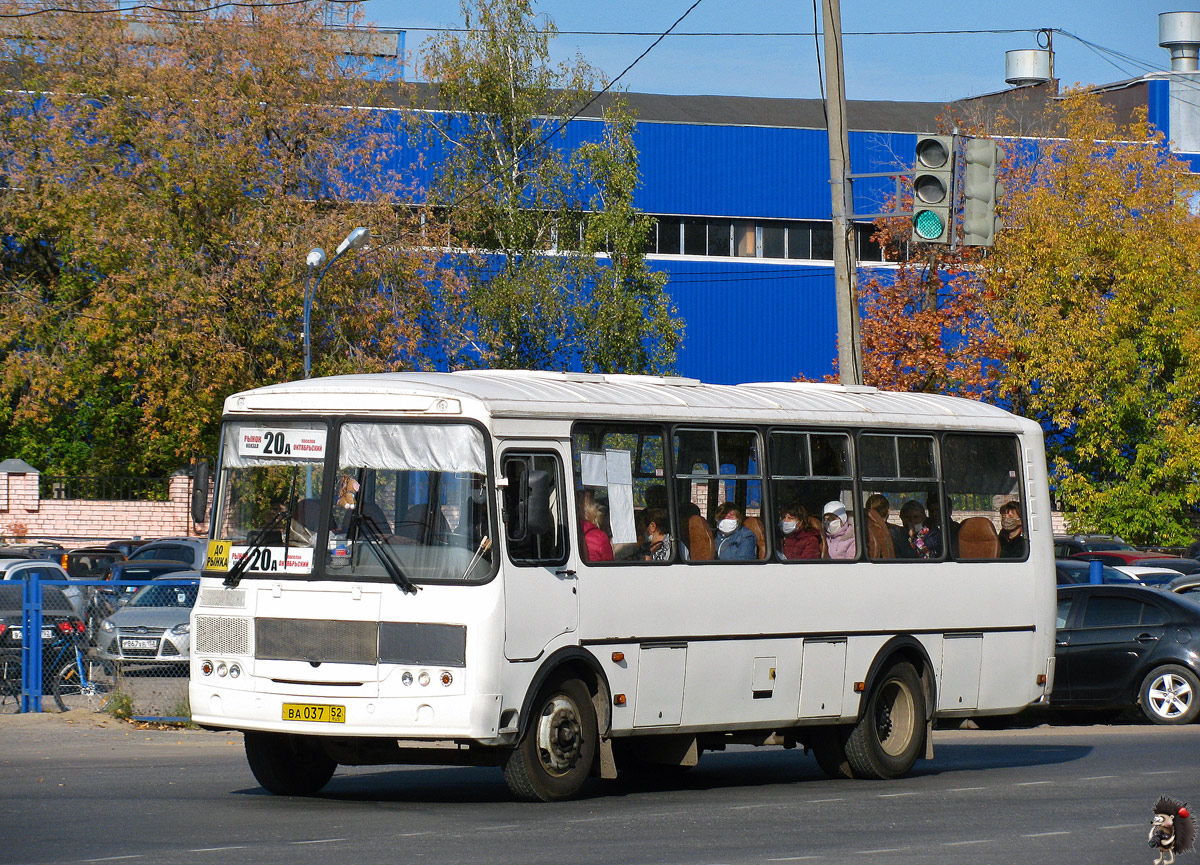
x: 844, y: 277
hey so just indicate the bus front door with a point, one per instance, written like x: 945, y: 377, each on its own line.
x: 540, y: 597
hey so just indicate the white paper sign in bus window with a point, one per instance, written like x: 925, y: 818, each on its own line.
x: 295, y: 444
x: 272, y: 560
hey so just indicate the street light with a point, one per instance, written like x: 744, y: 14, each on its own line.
x: 316, y: 260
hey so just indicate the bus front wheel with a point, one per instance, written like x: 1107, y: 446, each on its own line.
x: 558, y: 748
x: 888, y: 738
x: 288, y: 765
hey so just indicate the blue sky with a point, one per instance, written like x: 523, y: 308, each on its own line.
x: 910, y: 67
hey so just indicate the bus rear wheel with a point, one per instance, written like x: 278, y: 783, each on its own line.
x: 558, y: 748
x: 890, y: 735
x: 288, y: 765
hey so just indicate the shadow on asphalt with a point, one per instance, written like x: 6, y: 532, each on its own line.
x: 465, y: 785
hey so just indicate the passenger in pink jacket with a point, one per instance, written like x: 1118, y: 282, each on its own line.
x: 597, y: 546
x: 839, y: 532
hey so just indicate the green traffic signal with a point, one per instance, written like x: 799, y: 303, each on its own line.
x: 927, y: 225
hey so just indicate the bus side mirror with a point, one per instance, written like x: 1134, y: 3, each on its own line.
x: 200, y: 492
x: 538, y: 519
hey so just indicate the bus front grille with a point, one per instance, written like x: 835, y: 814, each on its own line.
x: 222, y: 635
x: 316, y: 641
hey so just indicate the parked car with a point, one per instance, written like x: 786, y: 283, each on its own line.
x: 190, y: 551
x: 1123, y: 557
x: 1072, y: 572
x: 32, y: 551
x: 1148, y: 576
x: 1125, y: 646
x: 103, y: 602
x: 1066, y: 546
x: 125, y: 547
x: 90, y: 563
x: 61, y: 631
x: 23, y: 569
x: 152, y: 627
x: 1182, y: 564
x: 1187, y: 586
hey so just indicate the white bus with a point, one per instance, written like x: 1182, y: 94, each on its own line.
x: 471, y: 568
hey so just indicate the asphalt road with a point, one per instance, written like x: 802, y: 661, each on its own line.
x: 76, y: 789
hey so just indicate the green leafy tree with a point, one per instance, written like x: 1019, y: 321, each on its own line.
x: 556, y: 276
x: 162, y: 182
x: 1096, y: 284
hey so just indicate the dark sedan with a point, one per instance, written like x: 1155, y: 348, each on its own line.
x: 1125, y: 646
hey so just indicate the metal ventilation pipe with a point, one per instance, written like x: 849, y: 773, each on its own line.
x: 1179, y: 33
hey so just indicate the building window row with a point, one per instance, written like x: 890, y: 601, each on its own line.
x: 809, y: 240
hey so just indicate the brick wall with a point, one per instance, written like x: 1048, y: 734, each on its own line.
x: 23, y: 513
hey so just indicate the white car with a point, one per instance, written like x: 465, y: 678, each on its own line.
x: 23, y: 569
x: 1148, y: 575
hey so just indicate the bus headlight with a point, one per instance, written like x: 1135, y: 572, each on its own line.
x: 406, y: 678
x: 423, y: 679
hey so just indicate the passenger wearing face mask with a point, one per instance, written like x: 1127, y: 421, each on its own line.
x: 657, y: 546
x: 924, y: 541
x: 1013, y: 543
x: 733, y: 540
x: 839, y: 532
x: 797, y: 537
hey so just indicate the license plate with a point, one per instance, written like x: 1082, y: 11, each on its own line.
x: 139, y: 644
x: 314, y: 712
x: 17, y: 633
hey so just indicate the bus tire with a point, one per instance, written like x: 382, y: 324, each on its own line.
x: 287, y: 764
x: 888, y: 738
x: 555, y: 755
x: 828, y: 745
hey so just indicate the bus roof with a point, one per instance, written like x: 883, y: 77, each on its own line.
x: 536, y: 394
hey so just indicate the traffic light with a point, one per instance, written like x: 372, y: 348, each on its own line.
x: 981, y: 192
x: 933, y: 189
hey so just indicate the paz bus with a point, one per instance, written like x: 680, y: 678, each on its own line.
x: 397, y: 573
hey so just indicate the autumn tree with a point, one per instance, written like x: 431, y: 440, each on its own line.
x: 1095, y: 286
x: 1085, y: 316
x: 553, y: 246
x: 161, y: 182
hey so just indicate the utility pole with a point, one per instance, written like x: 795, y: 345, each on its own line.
x: 845, y: 282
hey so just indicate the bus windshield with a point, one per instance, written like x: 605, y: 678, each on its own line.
x: 414, y: 495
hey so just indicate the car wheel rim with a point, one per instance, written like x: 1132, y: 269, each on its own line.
x: 560, y: 735
x: 1170, y: 695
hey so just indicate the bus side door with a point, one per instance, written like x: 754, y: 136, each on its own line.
x: 540, y: 597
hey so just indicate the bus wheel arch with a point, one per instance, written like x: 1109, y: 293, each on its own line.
x: 894, y: 721
x: 563, y: 729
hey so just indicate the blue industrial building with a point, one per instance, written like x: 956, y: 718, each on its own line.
x: 739, y: 188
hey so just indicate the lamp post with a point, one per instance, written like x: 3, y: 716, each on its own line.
x: 316, y: 261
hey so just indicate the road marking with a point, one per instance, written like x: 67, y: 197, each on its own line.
x: 820, y: 801
x: 1097, y: 777
x: 320, y: 841
x: 962, y: 843
x: 412, y: 834
x: 880, y: 850
x: 1043, y: 834
x: 965, y: 789
x: 1031, y: 783
x: 792, y: 858
x: 894, y: 795
x: 1125, y: 826
x: 507, y: 826
x: 759, y: 805
x: 1161, y: 772
x: 115, y: 858
x: 216, y: 849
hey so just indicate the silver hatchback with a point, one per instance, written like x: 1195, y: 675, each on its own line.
x: 152, y: 627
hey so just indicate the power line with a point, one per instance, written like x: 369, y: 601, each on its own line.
x: 152, y: 7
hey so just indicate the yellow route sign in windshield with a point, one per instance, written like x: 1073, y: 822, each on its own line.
x: 217, y: 558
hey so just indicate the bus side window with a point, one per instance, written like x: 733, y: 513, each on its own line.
x: 534, y: 511
x: 983, y: 487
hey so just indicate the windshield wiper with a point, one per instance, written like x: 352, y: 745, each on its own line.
x: 363, y: 525
x: 235, y: 573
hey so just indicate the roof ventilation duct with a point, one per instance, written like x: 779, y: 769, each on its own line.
x: 1179, y: 33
